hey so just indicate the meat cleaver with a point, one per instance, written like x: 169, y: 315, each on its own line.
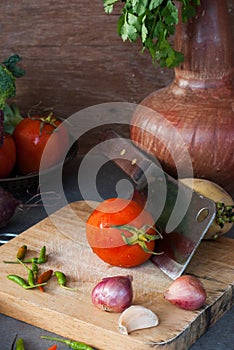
x: 181, y: 215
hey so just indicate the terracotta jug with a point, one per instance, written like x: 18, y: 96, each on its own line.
x: 199, y: 102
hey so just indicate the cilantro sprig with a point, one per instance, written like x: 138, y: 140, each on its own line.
x: 153, y: 22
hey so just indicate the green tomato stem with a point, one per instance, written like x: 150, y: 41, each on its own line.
x: 139, y: 236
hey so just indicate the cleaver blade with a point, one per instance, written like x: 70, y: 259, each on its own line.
x: 182, y: 216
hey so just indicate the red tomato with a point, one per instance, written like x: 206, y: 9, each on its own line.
x: 108, y: 243
x: 31, y: 136
x: 7, y: 156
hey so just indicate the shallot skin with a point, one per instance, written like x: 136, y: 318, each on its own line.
x: 113, y: 294
x: 186, y: 292
x: 8, y: 205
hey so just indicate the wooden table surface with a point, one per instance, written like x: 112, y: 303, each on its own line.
x: 215, y: 274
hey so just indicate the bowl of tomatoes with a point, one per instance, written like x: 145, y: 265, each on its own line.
x: 21, y: 152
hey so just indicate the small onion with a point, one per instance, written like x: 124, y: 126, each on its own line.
x: 8, y: 205
x: 113, y: 294
x: 186, y: 292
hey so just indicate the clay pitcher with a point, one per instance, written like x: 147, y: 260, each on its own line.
x: 199, y: 102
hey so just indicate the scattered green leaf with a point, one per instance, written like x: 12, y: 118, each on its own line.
x: 12, y: 117
x: 153, y: 22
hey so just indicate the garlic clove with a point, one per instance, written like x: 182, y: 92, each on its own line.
x: 136, y: 317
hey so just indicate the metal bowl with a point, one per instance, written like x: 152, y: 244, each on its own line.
x: 19, y: 184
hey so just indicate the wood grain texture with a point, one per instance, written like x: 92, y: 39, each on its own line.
x: 73, y: 56
x: 72, y: 315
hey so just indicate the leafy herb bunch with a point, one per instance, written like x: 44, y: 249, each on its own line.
x: 153, y: 22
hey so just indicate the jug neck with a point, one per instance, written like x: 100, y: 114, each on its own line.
x: 206, y: 42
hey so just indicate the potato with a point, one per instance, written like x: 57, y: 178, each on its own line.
x: 217, y: 194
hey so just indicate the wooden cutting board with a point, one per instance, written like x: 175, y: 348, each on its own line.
x: 71, y: 313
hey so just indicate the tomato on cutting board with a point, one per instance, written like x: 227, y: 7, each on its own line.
x: 31, y: 136
x: 121, y: 232
x: 7, y: 156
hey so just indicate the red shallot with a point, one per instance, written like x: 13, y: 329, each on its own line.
x: 113, y: 294
x: 186, y: 292
x: 8, y: 205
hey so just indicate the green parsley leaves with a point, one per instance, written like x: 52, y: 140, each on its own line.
x: 153, y: 22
